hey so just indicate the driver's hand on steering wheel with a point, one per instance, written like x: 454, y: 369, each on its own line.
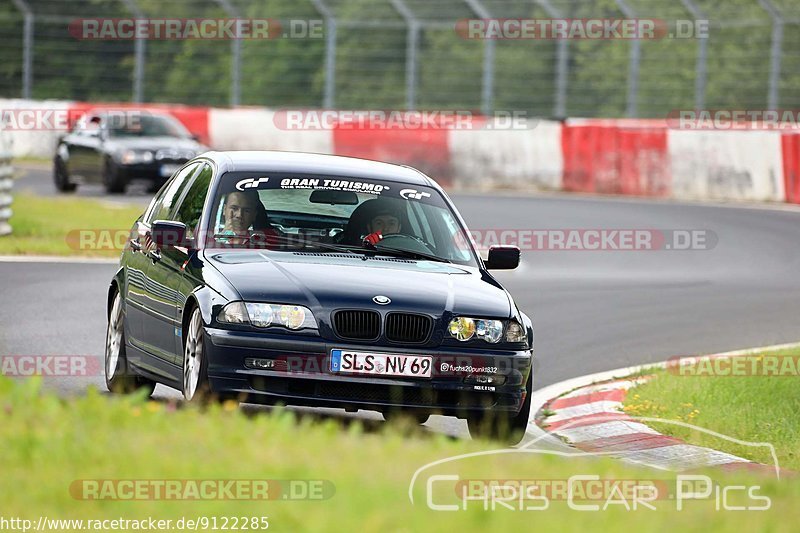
x: 372, y: 239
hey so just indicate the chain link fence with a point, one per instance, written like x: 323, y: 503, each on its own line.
x: 408, y: 54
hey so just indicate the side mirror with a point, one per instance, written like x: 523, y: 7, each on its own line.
x: 169, y: 233
x: 502, y: 258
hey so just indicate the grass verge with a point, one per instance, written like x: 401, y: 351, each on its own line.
x: 50, y: 443
x: 52, y: 226
x: 762, y: 407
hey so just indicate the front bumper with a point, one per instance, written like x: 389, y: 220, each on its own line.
x: 300, y: 375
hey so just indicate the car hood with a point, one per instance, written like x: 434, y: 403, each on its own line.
x: 336, y: 281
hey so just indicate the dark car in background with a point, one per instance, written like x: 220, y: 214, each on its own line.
x: 249, y: 278
x: 116, y: 147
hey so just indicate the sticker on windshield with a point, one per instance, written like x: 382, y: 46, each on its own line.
x: 332, y: 184
x: 250, y: 183
x: 413, y: 194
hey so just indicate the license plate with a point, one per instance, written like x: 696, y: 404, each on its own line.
x: 381, y: 364
x: 168, y: 170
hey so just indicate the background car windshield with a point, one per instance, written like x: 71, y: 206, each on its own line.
x: 325, y: 211
x: 144, y: 125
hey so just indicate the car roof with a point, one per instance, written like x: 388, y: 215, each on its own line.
x: 310, y: 163
x: 102, y: 111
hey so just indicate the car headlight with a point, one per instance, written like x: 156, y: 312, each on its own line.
x: 515, y: 332
x: 464, y: 328
x: 132, y: 157
x: 262, y: 315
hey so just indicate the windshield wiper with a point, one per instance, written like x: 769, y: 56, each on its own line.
x: 408, y: 253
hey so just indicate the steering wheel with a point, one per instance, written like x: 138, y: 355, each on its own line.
x: 402, y: 242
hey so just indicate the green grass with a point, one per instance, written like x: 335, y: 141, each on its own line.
x: 749, y: 408
x: 48, y: 443
x: 52, y: 226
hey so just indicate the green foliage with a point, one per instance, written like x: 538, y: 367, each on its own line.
x: 371, y: 60
x: 50, y: 226
x: 751, y: 408
x: 50, y: 444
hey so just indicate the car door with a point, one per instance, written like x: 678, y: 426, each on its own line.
x: 183, y: 278
x: 159, y: 313
x: 136, y: 265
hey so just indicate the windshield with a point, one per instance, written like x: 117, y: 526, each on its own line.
x: 146, y: 125
x: 335, y: 214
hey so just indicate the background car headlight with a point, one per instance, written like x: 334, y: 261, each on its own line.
x: 464, y: 328
x: 132, y: 157
x: 262, y: 315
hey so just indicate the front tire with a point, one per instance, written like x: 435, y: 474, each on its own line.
x: 113, y: 179
x: 195, y: 364
x: 119, y: 378
x: 502, y: 426
x: 61, y: 176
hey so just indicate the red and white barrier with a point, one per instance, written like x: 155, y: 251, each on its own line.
x: 255, y: 129
x: 592, y: 420
x: 616, y: 157
x: 489, y: 157
x: 790, y: 148
x: 34, y: 141
x: 726, y: 165
x: 629, y: 157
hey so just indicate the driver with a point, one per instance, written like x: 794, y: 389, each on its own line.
x: 385, y: 221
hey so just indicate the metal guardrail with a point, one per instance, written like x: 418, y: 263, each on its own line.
x: 6, y: 184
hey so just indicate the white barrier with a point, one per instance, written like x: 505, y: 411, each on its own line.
x: 255, y: 129
x: 514, y: 158
x: 726, y: 165
x: 35, y: 142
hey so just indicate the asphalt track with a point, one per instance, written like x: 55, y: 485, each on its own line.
x: 592, y: 310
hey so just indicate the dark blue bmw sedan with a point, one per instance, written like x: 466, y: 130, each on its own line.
x: 305, y: 279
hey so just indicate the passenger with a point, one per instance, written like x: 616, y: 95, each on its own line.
x: 241, y: 212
